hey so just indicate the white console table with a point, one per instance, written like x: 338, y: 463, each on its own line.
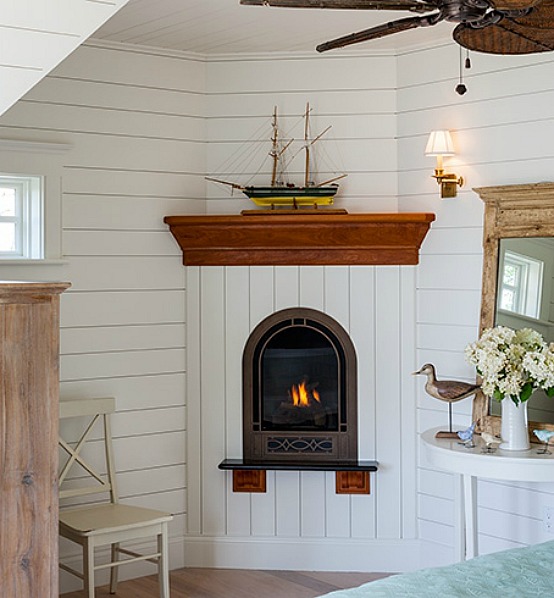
x: 472, y: 463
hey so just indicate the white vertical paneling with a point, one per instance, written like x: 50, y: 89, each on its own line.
x: 408, y: 404
x: 194, y: 394
x: 287, y: 503
x: 261, y: 305
x: 305, y: 504
x: 286, y: 283
x: 337, y: 293
x: 337, y: 510
x: 387, y: 413
x: 237, y: 329
x: 312, y: 514
x: 263, y: 509
x: 212, y: 367
x: 363, y: 317
x: 312, y: 286
x: 261, y: 293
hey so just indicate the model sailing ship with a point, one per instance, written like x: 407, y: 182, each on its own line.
x: 281, y: 193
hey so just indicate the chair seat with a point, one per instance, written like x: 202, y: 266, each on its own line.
x: 99, y: 519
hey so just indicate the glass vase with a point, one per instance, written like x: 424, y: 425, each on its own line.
x: 514, y: 432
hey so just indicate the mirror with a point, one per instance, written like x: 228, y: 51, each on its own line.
x: 525, y: 299
x: 518, y: 279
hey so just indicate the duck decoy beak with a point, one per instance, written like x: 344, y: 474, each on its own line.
x: 416, y: 373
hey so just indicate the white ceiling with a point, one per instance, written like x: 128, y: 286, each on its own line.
x: 224, y: 26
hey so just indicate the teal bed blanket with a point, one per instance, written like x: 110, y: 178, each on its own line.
x: 516, y: 573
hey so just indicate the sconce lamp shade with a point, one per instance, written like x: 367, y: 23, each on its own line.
x: 439, y: 144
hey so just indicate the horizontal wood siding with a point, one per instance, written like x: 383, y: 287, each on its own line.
x: 36, y: 37
x: 502, y: 131
x: 136, y: 130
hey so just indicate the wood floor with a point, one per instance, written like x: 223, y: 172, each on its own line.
x: 234, y: 583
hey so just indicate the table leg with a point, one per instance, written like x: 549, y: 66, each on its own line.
x: 470, y: 515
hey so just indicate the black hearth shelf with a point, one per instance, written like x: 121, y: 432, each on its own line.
x: 350, y: 477
x: 239, y: 464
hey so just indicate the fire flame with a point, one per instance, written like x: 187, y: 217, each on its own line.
x: 301, y: 396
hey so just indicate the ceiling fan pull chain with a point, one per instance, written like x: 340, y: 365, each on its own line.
x: 468, y: 61
x: 461, y: 88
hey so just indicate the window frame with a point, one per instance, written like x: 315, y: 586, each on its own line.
x: 28, y: 218
x: 45, y: 160
x: 528, y: 288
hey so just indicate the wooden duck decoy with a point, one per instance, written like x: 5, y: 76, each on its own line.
x: 449, y: 391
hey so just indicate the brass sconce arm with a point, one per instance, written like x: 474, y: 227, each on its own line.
x: 449, y: 182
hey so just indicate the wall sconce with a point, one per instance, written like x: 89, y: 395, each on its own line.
x: 440, y: 144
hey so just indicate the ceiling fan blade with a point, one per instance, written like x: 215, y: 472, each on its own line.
x: 504, y: 5
x: 411, y: 5
x: 541, y: 17
x: 506, y: 37
x: 380, y: 31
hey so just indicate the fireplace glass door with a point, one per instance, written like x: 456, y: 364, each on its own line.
x: 300, y: 381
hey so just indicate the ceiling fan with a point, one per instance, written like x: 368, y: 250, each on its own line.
x: 490, y: 26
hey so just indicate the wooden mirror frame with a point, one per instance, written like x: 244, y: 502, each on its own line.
x: 511, y: 211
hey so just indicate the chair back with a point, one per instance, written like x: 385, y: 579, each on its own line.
x: 92, y: 414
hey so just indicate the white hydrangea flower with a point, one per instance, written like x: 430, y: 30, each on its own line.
x: 512, y: 362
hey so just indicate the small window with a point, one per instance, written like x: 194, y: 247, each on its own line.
x: 521, y: 286
x: 21, y: 217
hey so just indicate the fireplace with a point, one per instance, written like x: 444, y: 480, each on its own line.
x: 299, y: 390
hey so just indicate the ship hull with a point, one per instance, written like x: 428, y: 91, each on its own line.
x: 291, y: 196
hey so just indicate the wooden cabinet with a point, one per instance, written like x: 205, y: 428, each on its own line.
x: 29, y: 387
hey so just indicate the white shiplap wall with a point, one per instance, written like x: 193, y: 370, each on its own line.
x: 300, y: 523
x: 503, y: 130
x: 37, y: 36
x: 134, y: 121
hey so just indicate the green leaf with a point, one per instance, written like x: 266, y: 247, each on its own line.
x: 550, y: 391
x: 498, y: 395
x: 526, y: 392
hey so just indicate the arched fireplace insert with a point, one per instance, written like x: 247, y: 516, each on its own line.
x: 299, y: 390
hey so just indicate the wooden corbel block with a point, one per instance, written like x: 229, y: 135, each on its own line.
x: 248, y: 480
x: 352, y: 482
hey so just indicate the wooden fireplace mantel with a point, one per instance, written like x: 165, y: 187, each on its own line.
x: 276, y: 239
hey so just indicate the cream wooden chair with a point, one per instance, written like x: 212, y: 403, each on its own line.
x: 107, y: 523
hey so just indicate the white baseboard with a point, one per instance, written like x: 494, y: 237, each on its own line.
x: 435, y: 555
x: 292, y: 554
x: 301, y: 554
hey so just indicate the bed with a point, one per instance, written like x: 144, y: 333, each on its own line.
x: 516, y: 573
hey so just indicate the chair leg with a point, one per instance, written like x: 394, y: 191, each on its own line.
x: 163, y: 562
x: 88, y: 567
x: 114, y: 570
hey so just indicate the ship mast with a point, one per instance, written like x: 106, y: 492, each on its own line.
x: 274, y: 153
x: 307, y: 145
